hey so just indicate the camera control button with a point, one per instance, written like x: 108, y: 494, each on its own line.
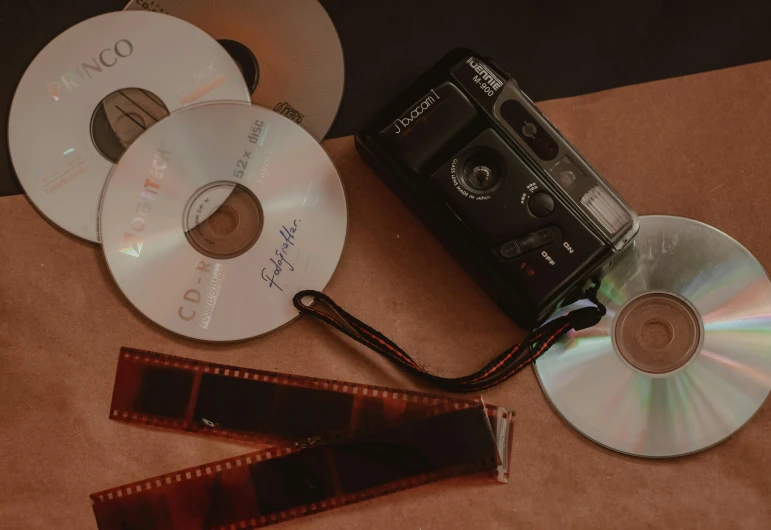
x: 539, y: 238
x: 541, y: 204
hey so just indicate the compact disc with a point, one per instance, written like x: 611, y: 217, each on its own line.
x: 216, y: 216
x: 93, y: 90
x: 683, y: 357
x: 289, y: 52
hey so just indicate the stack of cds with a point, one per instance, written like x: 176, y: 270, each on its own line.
x: 192, y: 156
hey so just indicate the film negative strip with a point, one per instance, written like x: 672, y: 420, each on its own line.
x: 268, y: 407
x: 278, y: 484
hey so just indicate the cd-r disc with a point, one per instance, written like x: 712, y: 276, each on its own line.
x: 92, y: 90
x: 216, y: 216
x: 683, y: 357
x: 289, y: 52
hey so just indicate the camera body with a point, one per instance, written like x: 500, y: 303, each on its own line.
x: 508, y: 196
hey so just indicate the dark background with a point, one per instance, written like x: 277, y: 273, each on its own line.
x: 554, y: 49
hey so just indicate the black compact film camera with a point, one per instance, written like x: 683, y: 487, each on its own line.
x: 498, y: 185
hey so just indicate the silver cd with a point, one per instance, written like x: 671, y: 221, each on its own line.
x: 217, y: 215
x: 298, y: 52
x: 682, y: 360
x: 53, y: 130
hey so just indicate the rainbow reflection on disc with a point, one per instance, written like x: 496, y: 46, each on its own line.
x: 682, y: 359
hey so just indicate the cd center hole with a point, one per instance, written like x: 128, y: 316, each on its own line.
x: 224, y: 220
x: 121, y: 117
x: 656, y: 333
x: 245, y: 60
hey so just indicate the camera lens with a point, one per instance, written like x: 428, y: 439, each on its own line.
x: 481, y: 172
x: 480, y: 177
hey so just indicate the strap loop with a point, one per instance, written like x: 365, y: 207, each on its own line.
x: 585, y: 317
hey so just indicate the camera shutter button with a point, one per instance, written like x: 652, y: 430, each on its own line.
x: 541, y: 204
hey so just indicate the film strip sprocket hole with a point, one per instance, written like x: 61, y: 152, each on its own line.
x: 268, y: 407
x: 274, y: 485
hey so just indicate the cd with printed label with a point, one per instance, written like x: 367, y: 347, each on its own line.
x: 216, y: 216
x: 288, y: 50
x: 682, y: 359
x: 96, y: 87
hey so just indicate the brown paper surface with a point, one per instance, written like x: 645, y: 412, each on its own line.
x: 694, y: 146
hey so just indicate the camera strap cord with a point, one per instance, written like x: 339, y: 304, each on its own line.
x: 496, y: 371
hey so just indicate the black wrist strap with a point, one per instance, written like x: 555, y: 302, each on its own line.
x: 496, y: 371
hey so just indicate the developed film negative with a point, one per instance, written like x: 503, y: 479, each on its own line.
x: 267, y: 407
x: 279, y: 484
x: 288, y: 51
x: 681, y: 360
x: 92, y: 91
x: 217, y: 215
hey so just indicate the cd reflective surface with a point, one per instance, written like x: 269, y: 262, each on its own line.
x: 54, y: 126
x: 683, y: 357
x: 216, y: 216
x: 299, y: 59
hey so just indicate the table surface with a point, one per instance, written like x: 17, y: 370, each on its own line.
x: 692, y: 146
